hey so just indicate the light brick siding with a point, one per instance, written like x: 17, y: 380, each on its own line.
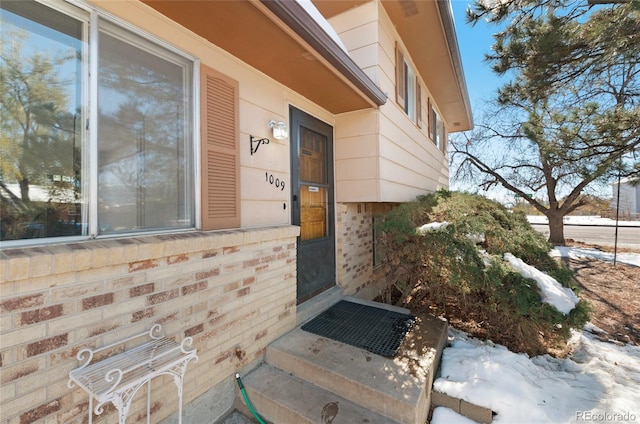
x: 355, y: 271
x: 233, y: 291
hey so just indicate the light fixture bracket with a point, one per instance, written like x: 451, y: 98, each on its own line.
x: 257, y: 141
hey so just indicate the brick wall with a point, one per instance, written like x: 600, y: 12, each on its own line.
x: 354, y: 247
x: 355, y: 271
x: 233, y: 292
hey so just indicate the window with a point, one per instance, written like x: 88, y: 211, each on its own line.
x: 408, y: 91
x: 437, y: 131
x: 440, y: 135
x: 68, y: 170
x: 378, y: 250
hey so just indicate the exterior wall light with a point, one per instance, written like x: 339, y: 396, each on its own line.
x: 279, y: 129
x: 280, y: 132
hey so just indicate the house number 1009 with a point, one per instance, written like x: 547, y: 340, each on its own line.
x: 275, y: 181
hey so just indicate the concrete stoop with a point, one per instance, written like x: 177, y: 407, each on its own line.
x: 311, y: 379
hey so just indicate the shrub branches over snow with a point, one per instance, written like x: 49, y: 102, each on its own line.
x: 562, y: 298
x: 437, y: 268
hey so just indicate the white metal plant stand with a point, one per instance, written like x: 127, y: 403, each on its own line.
x: 118, y: 378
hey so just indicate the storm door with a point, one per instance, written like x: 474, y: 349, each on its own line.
x: 312, y: 206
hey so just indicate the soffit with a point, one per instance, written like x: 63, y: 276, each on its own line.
x: 434, y: 52
x: 251, y: 32
x: 331, y: 8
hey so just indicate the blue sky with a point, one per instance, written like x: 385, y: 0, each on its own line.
x: 474, y: 42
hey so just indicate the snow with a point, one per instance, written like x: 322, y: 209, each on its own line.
x: 599, y: 379
x: 324, y: 24
x: 598, y: 382
x: 432, y: 226
x: 435, y: 226
x: 446, y: 415
x: 579, y: 253
x: 476, y: 238
x: 584, y: 220
x: 562, y: 298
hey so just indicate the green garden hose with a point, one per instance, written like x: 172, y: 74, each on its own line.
x: 248, y: 402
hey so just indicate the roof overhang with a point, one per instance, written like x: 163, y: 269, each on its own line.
x: 428, y: 32
x: 280, y: 39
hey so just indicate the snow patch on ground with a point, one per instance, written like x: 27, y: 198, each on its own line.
x: 598, y: 382
x: 599, y: 378
x: 583, y: 220
x: 582, y: 252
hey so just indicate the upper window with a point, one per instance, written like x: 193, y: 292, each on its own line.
x: 408, y: 91
x: 436, y: 129
x: 66, y: 170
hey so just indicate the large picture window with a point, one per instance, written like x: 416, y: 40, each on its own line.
x: 139, y: 138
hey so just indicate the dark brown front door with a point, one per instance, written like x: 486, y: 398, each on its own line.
x: 312, y: 195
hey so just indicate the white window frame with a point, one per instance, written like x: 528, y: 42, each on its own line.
x: 410, y: 96
x: 90, y: 16
x: 407, y: 86
x: 437, y: 130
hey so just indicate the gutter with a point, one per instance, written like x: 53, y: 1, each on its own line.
x: 446, y: 17
x: 297, y: 18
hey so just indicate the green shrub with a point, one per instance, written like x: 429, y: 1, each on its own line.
x: 444, y: 272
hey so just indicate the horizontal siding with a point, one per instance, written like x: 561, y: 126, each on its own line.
x: 357, y: 169
x: 383, y: 156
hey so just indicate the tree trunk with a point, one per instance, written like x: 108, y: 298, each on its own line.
x: 24, y: 190
x: 556, y: 229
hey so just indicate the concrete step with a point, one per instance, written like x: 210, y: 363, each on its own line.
x: 372, y: 381
x: 306, y: 378
x: 281, y: 398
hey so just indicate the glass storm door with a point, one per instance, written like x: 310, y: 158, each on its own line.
x: 312, y: 206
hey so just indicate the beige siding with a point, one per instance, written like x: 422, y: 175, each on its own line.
x: 408, y: 163
x: 359, y: 168
x: 358, y: 147
x: 359, y: 190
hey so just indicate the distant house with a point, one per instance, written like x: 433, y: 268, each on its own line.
x: 629, y: 204
x: 223, y: 161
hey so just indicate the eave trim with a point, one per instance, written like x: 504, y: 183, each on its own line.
x: 446, y: 17
x: 294, y: 16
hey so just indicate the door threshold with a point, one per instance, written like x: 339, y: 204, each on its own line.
x: 314, y: 306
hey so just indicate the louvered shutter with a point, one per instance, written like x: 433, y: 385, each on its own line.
x: 400, y: 76
x: 220, y: 151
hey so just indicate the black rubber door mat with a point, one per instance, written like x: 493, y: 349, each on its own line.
x: 375, y: 329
